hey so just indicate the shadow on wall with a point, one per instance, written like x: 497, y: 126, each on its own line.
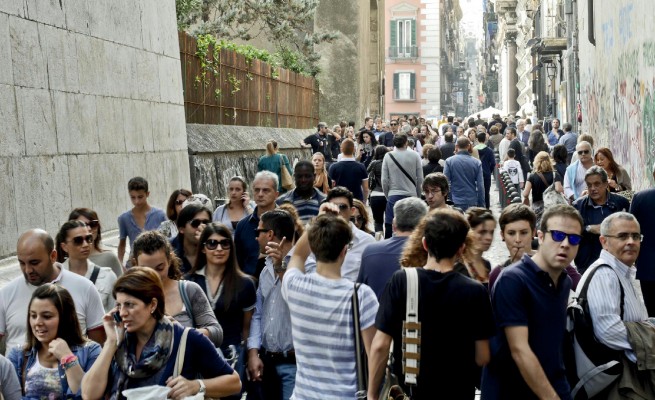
x: 219, y: 152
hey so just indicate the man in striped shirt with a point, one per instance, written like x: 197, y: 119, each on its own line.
x: 305, y: 197
x: 621, y: 238
x: 321, y: 311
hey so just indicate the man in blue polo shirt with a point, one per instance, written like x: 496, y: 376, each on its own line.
x: 529, y: 301
x: 350, y: 173
x: 305, y: 197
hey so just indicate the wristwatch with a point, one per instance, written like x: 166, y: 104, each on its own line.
x: 203, y: 388
x: 587, y: 228
x: 282, y: 267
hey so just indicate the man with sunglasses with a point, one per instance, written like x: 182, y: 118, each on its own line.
x: 37, y: 257
x: 574, y: 178
x: 611, y: 295
x: 343, y: 199
x: 271, y: 356
x: 529, y: 301
x: 594, y: 208
x: 386, y: 139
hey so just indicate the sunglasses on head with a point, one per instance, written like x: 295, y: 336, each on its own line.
x: 212, y: 244
x: 79, y: 240
x: 93, y: 223
x: 559, y: 236
x: 197, y: 222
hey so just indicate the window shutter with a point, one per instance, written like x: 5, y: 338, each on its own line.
x: 392, y: 33
x: 396, y: 86
x: 412, y: 85
x: 413, y: 33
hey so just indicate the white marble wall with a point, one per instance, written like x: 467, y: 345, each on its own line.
x: 90, y: 96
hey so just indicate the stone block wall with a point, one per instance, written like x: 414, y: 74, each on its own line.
x: 90, y: 96
x: 219, y: 152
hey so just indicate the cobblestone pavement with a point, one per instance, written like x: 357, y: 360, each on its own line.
x: 497, y: 253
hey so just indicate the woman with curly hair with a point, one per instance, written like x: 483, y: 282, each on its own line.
x: 617, y: 177
x: 365, y: 146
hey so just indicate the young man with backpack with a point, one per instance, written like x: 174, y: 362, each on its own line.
x: 454, y: 313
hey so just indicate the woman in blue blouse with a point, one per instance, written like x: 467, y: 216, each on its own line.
x: 273, y: 161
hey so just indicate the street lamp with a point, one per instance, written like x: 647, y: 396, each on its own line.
x: 551, y: 71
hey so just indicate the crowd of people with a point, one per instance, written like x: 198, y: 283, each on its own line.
x: 374, y: 255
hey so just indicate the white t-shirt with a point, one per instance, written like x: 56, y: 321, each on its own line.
x: 323, y: 334
x: 353, y: 260
x: 514, y: 170
x: 104, y: 283
x: 16, y: 295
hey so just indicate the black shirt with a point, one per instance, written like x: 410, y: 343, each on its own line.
x: 432, y: 167
x: 454, y: 312
x: 349, y: 174
x: 447, y: 150
x: 319, y: 144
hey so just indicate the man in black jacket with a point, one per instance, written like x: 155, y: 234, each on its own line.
x: 448, y: 148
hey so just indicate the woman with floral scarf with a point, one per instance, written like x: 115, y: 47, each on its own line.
x: 142, y: 345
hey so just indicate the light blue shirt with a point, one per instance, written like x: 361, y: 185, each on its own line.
x: 464, y: 173
x: 127, y: 226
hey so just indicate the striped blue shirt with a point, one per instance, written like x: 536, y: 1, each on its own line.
x: 307, y: 208
x: 604, y: 296
x: 323, y: 334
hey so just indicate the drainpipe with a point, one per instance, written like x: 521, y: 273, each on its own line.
x: 570, y: 10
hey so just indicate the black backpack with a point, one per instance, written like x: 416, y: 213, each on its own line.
x: 591, y: 366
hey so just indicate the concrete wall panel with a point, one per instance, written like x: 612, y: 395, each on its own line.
x: 49, y: 12
x: 13, y: 143
x: 37, y: 121
x: 6, y: 74
x: 61, y: 53
x: 28, y: 58
x: 90, y: 96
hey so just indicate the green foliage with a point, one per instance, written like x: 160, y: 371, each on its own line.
x: 287, y: 24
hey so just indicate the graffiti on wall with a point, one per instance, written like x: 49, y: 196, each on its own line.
x: 617, y: 90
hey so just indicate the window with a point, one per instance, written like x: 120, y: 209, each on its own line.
x: 404, y: 86
x: 403, y: 38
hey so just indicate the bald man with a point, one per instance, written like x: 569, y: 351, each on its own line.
x: 37, y: 257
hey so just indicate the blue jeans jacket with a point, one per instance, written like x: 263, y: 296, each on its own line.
x: 86, y: 355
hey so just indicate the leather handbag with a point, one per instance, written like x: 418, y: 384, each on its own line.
x: 287, y: 180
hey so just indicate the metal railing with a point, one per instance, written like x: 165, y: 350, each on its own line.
x: 403, y: 52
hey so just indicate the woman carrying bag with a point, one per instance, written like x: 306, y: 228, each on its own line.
x: 142, y: 347
x: 276, y: 163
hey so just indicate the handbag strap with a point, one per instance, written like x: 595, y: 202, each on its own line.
x: 412, y: 329
x: 181, y: 284
x: 402, y: 169
x: 94, y: 274
x: 543, y: 179
x: 359, y: 362
x: 181, y: 349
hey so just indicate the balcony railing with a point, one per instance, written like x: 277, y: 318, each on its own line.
x: 403, y: 52
x: 404, y: 95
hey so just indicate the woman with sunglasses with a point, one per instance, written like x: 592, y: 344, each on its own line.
x: 186, y: 302
x: 190, y: 223
x: 231, y: 293
x: 238, y: 205
x: 73, y: 248
x: 98, y: 255
x: 55, y: 356
x: 143, y: 345
x: 169, y: 227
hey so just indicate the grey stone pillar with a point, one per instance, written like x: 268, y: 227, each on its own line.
x: 512, y: 76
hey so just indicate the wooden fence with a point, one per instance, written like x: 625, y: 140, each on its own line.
x: 245, y: 93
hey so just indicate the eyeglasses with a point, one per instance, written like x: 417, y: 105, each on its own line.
x: 582, y: 152
x: 343, y: 207
x: 212, y: 244
x: 623, y: 236
x: 179, y: 202
x: 93, y: 223
x: 79, y: 240
x: 197, y: 222
x: 393, y: 124
x: 259, y: 231
x: 559, y: 236
x: 432, y: 192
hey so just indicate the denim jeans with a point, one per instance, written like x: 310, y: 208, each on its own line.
x: 287, y: 376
